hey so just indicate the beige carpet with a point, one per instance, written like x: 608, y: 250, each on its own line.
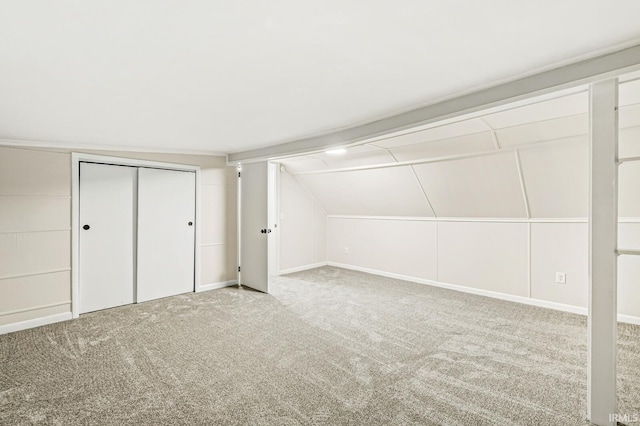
x: 328, y: 346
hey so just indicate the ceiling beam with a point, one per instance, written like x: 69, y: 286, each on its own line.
x: 563, y: 77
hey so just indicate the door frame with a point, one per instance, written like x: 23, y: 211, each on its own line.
x: 79, y: 157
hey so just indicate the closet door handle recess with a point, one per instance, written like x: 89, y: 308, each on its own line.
x: 86, y: 227
x: 190, y: 223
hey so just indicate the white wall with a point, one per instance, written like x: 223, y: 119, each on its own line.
x: 35, y: 228
x: 405, y: 247
x: 492, y: 256
x: 302, y: 227
x: 497, y: 203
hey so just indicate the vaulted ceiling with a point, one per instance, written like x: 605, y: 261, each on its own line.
x: 214, y: 76
x: 525, y: 161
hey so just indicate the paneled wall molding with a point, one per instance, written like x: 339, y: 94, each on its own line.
x: 628, y: 252
x: 492, y: 131
x: 424, y: 192
x: 36, y: 308
x: 65, y: 197
x: 628, y: 159
x: 36, y: 231
x: 439, y: 159
x: 36, y: 322
x: 478, y: 219
x: 481, y: 292
x: 523, y: 187
x: 31, y: 274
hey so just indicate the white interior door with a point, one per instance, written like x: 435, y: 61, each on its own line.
x: 107, y: 236
x: 254, y: 226
x: 166, y: 236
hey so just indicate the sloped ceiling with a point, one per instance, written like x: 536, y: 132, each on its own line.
x: 218, y: 76
x: 524, y: 162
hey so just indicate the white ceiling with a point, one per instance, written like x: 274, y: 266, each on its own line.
x: 227, y: 76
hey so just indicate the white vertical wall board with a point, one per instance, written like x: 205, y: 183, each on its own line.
x: 32, y: 252
x: 560, y: 247
x: 557, y: 128
x: 166, y: 233
x: 629, y: 142
x: 254, y: 190
x: 628, y: 187
x: 489, y: 256
x: 302, y: 226
x: 630, y: 116
x: 603, y: 221
x: 214, y: 207
x: 629, y: 285
x: 629, y: 93
x: 214, y: 264
x: 296, y: 223
x: 629, y: 236
x: 385, y: 192
x: 574, y: 104
x: 26, y: 214
x: 556, y: 178
x: 35, y: 292
x: 487, y: 186
x: 231, y: 232
x: 523, y: 188
x: 396, y: 246
x: 34, y: 173
x: 107, y: 249
x: 476, y: 142
x: 319, y: 233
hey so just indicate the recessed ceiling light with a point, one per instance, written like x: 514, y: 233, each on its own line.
x: 337, y: 151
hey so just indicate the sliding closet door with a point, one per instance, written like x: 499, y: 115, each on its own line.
x: 166, y: 236
x: 107, y: 236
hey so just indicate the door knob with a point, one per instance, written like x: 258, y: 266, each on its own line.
x: 190, y: 223
x: 86, y: 227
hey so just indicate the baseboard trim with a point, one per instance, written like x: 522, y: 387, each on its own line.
x: 480, y: 292
x: 214, y: 286
x: 302, y: 268
x: 629, y: 319
x: 36, y: 322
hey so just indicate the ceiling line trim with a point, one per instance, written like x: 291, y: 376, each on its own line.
x: 25, y: 143
x: 563, y: 77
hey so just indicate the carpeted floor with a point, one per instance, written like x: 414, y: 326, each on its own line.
x: 327, y: 346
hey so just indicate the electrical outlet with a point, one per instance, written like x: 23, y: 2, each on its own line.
x: 561, y: 278
x: 346, y: 250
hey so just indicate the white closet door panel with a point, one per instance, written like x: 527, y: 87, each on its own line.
x: 254, y: 271
x: 107, y: 211
x: 166, y: 237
